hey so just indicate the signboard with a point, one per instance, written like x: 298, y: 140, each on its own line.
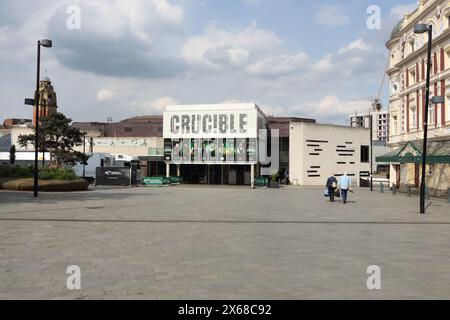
x: 211, y: 124
x: 155, y: 181
x: 109, y: 176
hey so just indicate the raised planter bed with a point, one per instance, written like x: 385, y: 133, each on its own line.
x: 44, y: 185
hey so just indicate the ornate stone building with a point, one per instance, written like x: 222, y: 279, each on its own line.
x: 407, y: 73
x: 47, y: 99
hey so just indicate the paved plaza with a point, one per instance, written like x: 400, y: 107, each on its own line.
x: 193, y: 242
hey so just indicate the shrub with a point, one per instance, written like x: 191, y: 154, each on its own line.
x: 45, y: 173
x: 7, y: 171
x: 52, y: 173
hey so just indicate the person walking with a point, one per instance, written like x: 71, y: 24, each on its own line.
x: 345, y: 184
x: 331, y: 186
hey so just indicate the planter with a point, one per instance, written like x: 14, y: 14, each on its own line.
x: 275, y: 185
x: 45, y: 185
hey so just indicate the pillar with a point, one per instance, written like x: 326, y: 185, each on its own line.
x: 252, y: 176
x: 178, y: 170
x: 167, y: 170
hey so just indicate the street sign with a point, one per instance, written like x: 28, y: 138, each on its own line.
x: 29, y: 102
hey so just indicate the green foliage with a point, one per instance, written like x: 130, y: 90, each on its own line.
x: 274, y: 177
x: 16, y: 171
x: 45, y: 173
x: 51, y: 173
x: 58, y: 137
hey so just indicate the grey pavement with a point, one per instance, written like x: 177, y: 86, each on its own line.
x: 193, y: 242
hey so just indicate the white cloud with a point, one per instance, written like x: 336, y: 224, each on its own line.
x: 355, y: 45
x: 219, y: 48
x: 105, y: 95
x: 156, y: 106
x: 332, y: 106
x: 277, y: 66
x: 398, y: 12
x: 170, y: 13
x: 331, y: 16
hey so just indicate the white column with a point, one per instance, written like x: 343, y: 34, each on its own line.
x: 178, y: 170
x: 167, y: 170
x: 252, y: 176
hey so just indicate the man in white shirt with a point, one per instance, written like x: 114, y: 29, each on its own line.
x: 345, y: 183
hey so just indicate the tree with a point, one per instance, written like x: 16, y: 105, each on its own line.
x: 59, y: 138
x: 12, y: 154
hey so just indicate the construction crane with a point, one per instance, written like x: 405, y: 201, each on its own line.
x: 376, y: 104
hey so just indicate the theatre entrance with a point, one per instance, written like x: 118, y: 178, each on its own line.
x: 216, y: 174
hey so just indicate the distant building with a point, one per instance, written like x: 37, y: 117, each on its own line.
x: 47, y: 99
x: 380, y: 124
x: 9, y: 123
x: 283, y: 124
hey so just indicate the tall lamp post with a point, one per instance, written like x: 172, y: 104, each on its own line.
x: 419, y: 29
x: 47, y: 44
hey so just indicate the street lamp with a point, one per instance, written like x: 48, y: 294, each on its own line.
x: 84, y: 152
x: 46, y: 44
x: 419, y: 29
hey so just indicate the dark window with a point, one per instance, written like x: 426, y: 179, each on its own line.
x: 317, y: 141
x: 365, y: 154
x: 128, y: 129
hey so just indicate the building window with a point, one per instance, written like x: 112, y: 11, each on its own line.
x: 365, y: 154
x: 431, y: 114
x: 128, y: 129
x: 413, y: 77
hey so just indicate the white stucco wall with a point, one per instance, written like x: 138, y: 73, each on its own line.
x: 314, y: 154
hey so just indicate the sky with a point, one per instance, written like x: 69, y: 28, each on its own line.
x: 124, y: 58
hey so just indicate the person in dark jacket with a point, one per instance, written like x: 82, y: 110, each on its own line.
x: 331, y: 186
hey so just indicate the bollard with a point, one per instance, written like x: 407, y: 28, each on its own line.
x: 448, y: 194
x: 381, y: 187
x: 408, y: 191
x: 427, y: 193
x: 394, y: 189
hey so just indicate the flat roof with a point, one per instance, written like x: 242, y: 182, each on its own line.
x: 217, y: 107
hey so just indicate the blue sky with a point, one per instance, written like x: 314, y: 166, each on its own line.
x: 301, y: 58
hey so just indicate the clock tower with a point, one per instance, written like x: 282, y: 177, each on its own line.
x: 47, y: 99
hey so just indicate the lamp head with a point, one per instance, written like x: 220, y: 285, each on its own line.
x: 438, y: 99
x: 420, y: 28
x: 46, y: 43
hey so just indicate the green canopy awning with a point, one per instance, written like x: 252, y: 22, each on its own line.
x: 411, y: 152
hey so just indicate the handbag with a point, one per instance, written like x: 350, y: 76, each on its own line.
x: 326, y: 193
x: 337, y: 193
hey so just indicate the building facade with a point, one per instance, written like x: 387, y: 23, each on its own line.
x: 407, y: 74
x: 213, y: 144
x: 318, y: 151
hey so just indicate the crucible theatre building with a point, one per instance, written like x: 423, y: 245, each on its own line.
x: 214, y: 144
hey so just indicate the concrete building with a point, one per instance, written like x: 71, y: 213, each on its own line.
x: 213, y: 144
x: 380, y: 123
x: 407, y: 74
x: 319, y: 151
x: 380, y: 132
